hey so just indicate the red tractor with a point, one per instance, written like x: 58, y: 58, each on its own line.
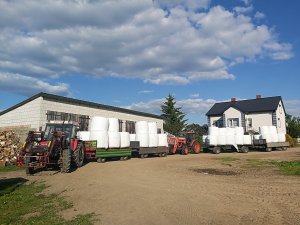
x: 56, y: 146
x: 185, y: 143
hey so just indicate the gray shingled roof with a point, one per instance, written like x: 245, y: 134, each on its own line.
x: 78, y: 102
x: 247, y: 106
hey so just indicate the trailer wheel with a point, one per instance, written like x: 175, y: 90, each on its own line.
x: 268, y: 149
x: 244, y: 149
x: 125, y: 158
x: 65, y: 158
x: 101, y: 160
x: 78, y: 155
x: 216, y: 150
x: 196, y: 147
x: 144, y: 156
x: 283, y: 148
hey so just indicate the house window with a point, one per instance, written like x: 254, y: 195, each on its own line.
x: 218, y: 123
x: 233, y: 122
x: 249, y: 122
x: 279, y: 123
x: 130, y: 127
x: 280, y: 109
x: 120, y: 125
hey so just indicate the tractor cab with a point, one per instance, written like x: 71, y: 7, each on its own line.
x: 68, y: 129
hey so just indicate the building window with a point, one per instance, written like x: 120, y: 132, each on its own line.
x: 279, y: 123
x: 280, y: 109
x: 218, y: 123
x: 233, y: 122
x: 120, y: 125
x: 249, y: 123
x: 82, y: 120
x: 130, y: 127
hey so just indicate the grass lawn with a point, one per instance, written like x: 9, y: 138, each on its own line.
x: 10, y: 168
x: 22, y: 203
x: 289, y: 168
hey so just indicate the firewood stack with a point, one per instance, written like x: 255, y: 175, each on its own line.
x: 9, y: 147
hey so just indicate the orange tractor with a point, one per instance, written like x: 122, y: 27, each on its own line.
x: 185, y: 143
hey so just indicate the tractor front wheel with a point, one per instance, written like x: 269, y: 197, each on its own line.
x: 65, y: 161
x: 196, y: 147
x: 78, y: 155
x: 184, y: 150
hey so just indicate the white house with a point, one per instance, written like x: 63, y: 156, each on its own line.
x: 250, y: 114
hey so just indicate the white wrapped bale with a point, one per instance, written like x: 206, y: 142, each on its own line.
x: 98, y: 123
x: 281, y: 137
x: 101, y: 137
x: 230, y: 140
x: 239, y: 130
x: 247, y: 139
x: 239, y: 139
x: 267, y: 136
x: 141, y: 127
x: 163, y: 140
x: 274, y: 137
x: 264, y: 130
x: 125, y: 139
x: 230, y: 131
x: 153, y: 140
x: 114, y: 140
x: 256, y: 137
x: 132, y: 137
x: 113, y: 125
x: 273, y: 130
x: 222, y: 139
x: 152, y: 128
x: 222, y: 131
x: 213, y: 131
x: 83, y: 135
x: 143, y: 138
x: 212, y: 140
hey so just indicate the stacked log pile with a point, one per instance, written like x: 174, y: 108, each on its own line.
x: 9, y: 147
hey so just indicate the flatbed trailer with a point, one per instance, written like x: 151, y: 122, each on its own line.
x: 257, y: 144
x: 144, y: 152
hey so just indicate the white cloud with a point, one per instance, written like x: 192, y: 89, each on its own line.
x: 130, y: 39
x: 292, y: 107
x: 241, y: 10
x: 28, y: 85
x: 194, y: 95
x: 259, y: 15
x: 145, y: 92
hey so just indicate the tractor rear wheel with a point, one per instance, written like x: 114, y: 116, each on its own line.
x: 196, y: 147
x: 184, y: 150
x: 65, y: 161
x: 78, y: 155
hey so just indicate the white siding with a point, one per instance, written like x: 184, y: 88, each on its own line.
x: 260, y: 119
x: 280, y: 116
x: 232, y: 113
x: 28, y: 114
x: 83, y: 110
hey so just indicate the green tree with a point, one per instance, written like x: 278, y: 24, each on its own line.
x: 293, y: 126
x: 174, y: 118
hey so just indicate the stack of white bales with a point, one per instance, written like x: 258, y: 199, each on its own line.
x: 99, y: 131
x: 114, y: 137
x: 227, y: 136
x: 270, y: 134
x: 146, y: 134
x: 83, y: 135
x: 142, y: 133
x: 153, y: 137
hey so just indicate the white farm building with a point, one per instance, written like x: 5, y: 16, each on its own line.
x: 36, y: 111
x: 249, y: 114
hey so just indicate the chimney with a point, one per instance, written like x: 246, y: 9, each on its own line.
x: 233, y: 99
x: 258, y: 96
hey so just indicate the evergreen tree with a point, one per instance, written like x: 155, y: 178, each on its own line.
x: 174, y: 121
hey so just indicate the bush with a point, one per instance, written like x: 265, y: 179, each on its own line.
x: 291, y: 140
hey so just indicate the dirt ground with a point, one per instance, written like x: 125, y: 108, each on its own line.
x: 192, y: 189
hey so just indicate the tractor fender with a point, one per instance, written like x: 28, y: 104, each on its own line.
x: 74, y: 144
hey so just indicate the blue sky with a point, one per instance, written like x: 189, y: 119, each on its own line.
x: 134, y: 53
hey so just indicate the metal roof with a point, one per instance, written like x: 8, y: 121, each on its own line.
x: 269, y: 104
x: 72, y: 101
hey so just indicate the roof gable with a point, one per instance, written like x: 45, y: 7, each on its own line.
x: 247, y: 106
